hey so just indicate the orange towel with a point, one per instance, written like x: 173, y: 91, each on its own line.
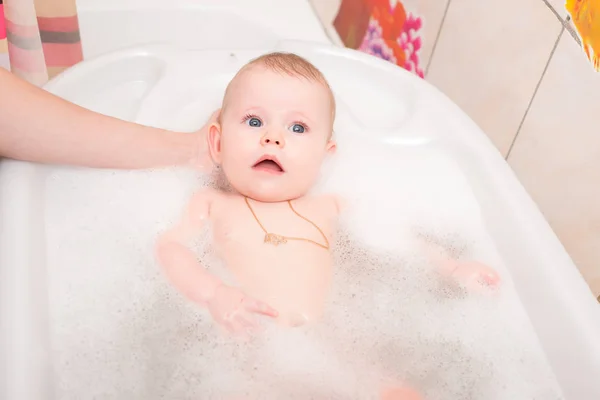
x: 586, y: 18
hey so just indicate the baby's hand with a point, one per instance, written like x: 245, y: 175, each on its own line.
x: 231, y: 308
x: 472, y: 274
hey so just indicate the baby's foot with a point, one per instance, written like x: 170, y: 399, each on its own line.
x: 472, y: 274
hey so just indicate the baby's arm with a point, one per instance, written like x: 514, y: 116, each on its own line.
x: 339, y: 203
x: 448, y: 261
x: 229, y: 306
x: 179, y: 263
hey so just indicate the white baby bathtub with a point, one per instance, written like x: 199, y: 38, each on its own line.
x: 201, y: 24
x: 395, y: 106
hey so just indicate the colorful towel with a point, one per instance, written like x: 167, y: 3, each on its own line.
x: 586, y: 19
x: 382, y: 28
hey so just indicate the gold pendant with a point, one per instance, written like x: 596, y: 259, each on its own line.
x: 275, y: 239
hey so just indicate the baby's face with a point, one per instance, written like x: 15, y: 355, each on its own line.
x: 274, y: 134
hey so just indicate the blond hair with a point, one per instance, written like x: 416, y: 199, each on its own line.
x: 289, y: 64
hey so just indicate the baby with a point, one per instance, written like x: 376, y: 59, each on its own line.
x: 271, y: 138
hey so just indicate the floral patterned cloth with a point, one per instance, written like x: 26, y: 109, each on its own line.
x: 383, y: 30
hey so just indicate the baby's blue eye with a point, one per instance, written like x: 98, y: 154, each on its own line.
x: 254, y: 122
x: 298, y: 128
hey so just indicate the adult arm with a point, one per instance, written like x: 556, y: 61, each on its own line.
x: 37, y: 126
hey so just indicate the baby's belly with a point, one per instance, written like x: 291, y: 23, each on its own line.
x: 294, y: 278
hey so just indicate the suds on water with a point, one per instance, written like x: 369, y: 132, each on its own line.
x: 119, y: 331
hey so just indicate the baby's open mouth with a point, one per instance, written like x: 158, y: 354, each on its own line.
x: 268, y: 164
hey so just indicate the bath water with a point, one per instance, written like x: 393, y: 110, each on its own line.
x: 120, y: 331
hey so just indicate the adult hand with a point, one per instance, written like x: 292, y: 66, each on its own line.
x: 67, y: 134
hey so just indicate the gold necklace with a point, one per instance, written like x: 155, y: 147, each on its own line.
x: 276, y: 239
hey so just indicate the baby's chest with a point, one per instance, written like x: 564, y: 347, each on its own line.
x: 242, y: 227
x: 290, y: 252
x: 293, y: 273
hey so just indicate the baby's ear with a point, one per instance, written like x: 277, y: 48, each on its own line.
x: 331, y: 146
x: 214, y: 142
x: 203, y: 160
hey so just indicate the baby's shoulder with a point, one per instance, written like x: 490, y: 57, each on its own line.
x: 216, y: 202
x: 202, y: 202
x: 329, y: 203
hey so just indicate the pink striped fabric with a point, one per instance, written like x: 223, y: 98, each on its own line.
x: 40, y: 37
x: 61, y: 41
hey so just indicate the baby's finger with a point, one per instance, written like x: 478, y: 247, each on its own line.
x: 260, y: 308
x: 245, y: 321
x: 490, y: 278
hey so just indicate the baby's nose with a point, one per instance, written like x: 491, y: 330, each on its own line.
x: 272, y: 140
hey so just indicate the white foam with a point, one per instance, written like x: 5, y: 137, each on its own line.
x: 121, y: 332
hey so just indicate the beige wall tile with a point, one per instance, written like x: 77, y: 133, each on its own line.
x: 489, y: 59
x: 432, y: 12
x: 558, y: 6
x: 557, y: 155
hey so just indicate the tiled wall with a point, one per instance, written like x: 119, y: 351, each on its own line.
x: 516, y: 67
